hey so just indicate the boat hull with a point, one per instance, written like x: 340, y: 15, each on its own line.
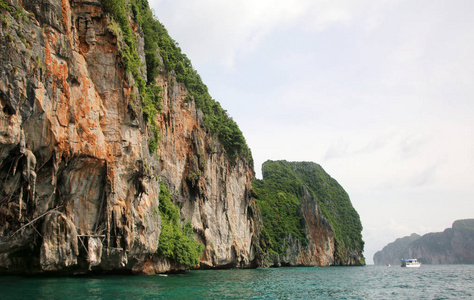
x: 413, y: 266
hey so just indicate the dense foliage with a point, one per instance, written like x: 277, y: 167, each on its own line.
x: 281, y: 213
x: 215, y: 118
x: 175, y: 242
x: 4, y: 6
x: 278, y: 196
x: 149, y: 92
x: 334, y: 202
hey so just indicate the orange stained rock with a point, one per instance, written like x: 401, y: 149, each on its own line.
x: 66, y: 17
x: 62, y: 110
x: 47, y: 57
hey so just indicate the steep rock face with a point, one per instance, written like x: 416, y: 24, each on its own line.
x: 393, y: 252
x: 296, y: 230
x: 319, y: 250
x: 79, y: 187
x: 452, y: 246
x: 212, y: 191
x: 60, y: 245
x: 320, y: 231
x: 63, y: 104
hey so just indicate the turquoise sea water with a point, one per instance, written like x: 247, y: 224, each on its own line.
x: 369, y: 282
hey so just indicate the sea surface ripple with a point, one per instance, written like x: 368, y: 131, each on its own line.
x: 368, y: 282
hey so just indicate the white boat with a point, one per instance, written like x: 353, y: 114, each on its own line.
x: 411, y: 263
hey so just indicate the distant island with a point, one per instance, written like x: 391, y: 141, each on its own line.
x: 454, y: 245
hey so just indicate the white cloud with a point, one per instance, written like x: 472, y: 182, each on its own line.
x: 226, y: 29
x: 229, y: 30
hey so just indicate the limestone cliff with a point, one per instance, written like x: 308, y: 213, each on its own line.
x: 212, y: 190
x: 79, y: 186
x: 452, y: 246
x: 308, y: 218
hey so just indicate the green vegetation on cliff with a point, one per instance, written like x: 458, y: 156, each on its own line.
x: 150, y: 93
x: 175, y: 242
x: 157, y: 39
x: 4, y: 6
x: 278, y: 196
x: 281, y: 213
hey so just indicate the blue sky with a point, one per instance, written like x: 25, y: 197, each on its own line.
x: 379, y: 93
